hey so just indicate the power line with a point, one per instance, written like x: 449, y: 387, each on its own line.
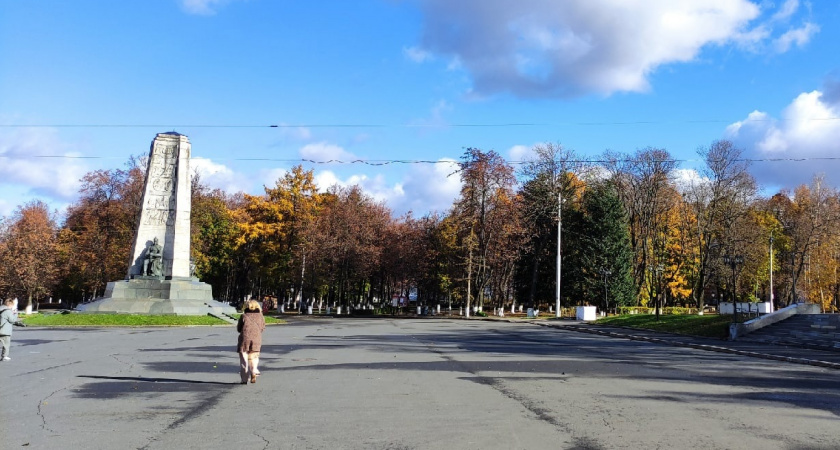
x: 384, y: 162
x: 410, y: 125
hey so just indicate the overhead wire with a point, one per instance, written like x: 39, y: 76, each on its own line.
x: 420, y: 125
x: 385, y: 162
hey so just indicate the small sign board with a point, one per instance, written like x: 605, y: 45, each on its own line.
x: 399, y: 300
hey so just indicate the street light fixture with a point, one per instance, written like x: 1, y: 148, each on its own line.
x: 557, y: 312
x: 771, y: 272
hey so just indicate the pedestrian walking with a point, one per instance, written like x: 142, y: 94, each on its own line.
x: 250, y: 326
x: 8, y: 320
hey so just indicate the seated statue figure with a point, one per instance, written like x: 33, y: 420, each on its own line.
x: 153, y: 263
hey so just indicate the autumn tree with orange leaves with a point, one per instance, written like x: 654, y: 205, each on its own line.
x: 99, y: 229
x: 29, y: 252
x: 487, y: 185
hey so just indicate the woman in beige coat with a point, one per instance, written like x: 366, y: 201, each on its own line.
x: 251, y: 326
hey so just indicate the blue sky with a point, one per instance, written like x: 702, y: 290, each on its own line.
x: 90, y: 82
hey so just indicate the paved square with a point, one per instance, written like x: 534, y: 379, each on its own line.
x: 406, y: 384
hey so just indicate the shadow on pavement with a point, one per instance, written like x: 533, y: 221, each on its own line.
x: 116, y: 387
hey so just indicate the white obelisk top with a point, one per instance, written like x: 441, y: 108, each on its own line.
x: 165, y: 211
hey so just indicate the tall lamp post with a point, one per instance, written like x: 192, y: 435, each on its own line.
x: 733, y: 261
x: 771, y: 273
x: 559, y: 251
x: 606, y: 273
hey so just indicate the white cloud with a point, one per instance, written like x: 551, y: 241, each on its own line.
x: 538, y: 48
x: 687, y: 178
x: 375, y: 186
x: 293, y: 132
x: 423, y: 189
x: 202, y: 7
x: 806, y: 134
x: 325, y: 179
x: 436, y: 117
x: 797, y: 37
x: 6, y: 208
x: 269, y: 177
x: 787, y: 10
x: 324, y: 151
x: 220, y: 176
x: 428, y: 187
x: 520, y: 153
x: 38, y: 161
x: 417, y: 54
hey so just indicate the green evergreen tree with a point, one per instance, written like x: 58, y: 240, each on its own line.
x: 605, y: 254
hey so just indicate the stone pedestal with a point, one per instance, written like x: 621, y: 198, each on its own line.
x: 147, y: 295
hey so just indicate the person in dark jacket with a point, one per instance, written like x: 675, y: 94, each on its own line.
x: 8, y: 319
x: 250, y: 326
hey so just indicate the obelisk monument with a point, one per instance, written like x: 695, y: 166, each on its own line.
x: 159, y: 278
x: 166, y: 207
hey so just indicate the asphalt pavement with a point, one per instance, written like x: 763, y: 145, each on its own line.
x: 343, y: 383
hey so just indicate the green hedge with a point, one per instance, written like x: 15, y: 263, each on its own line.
x: 670, y: 310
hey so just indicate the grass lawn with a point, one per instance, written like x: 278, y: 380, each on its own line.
x: 268, y: 319
x: 715, y: 326
x: 123, y: 320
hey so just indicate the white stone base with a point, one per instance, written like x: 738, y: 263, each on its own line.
x: 586, y: 313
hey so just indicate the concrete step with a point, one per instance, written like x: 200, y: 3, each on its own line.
x: 819, y: 331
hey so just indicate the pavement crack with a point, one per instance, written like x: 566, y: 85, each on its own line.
x: 203, y: 406
x: 129, y: 364
x: 195, y: 412
x: 540, y: 413
x: 43, y: 402
x: 267, y: 442
x: 543, y: 414
x: 50, y: 368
